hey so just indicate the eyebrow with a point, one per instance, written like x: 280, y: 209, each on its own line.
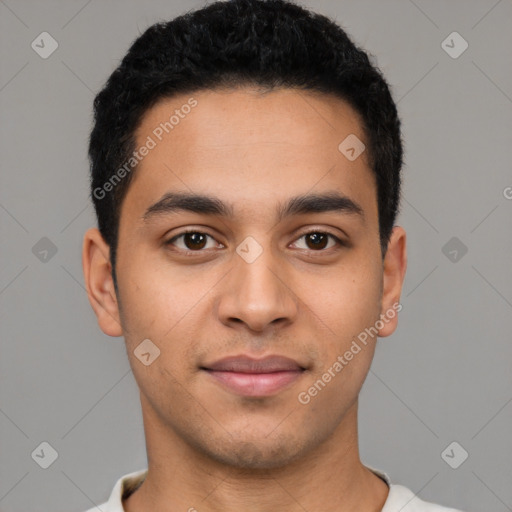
x: 173, y: 202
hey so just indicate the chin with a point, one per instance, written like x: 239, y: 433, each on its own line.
x: 264, y: 454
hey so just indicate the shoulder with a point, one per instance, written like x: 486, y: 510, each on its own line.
x: 123, y: 488
x: 402, y: 499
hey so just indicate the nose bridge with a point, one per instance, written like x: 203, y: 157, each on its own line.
x: 256, y: 293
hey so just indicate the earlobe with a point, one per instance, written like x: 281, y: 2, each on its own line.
x: 99, y: 283
x: 394, y: 267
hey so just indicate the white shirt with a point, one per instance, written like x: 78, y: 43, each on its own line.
x: 400, y: 498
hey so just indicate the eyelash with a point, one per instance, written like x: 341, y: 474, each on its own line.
x: 339, y: 242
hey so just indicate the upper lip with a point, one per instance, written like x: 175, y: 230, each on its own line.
x: 247, y: 364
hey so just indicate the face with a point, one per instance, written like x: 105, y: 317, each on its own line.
x: 282, y: 258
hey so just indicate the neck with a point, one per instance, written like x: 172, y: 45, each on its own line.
x: 331, y: 478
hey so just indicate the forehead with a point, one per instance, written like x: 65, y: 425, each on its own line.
x: 248, y: 145
x: 244, y: 116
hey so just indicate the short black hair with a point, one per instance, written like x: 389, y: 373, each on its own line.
x: 228, y: 44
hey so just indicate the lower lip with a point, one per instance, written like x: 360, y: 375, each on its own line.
x: 255, y: 384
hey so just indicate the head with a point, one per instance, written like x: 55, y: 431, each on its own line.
x: 264, y: 131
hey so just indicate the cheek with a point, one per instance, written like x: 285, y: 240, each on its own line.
x: 349, y: 304
x: 346, y: 300
x: 168, y: 307
x: 157, y: 308
x: 153, y: 297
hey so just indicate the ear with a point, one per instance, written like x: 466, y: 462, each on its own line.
x: 99, y: 283
x: 394, y: 267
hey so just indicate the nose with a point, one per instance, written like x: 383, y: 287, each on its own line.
x: 257, y: 295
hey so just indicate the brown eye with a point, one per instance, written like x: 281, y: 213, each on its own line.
x: 319, y: 240
x: 194, y: 240
x: 191, y: 241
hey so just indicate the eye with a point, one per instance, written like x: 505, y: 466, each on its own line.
x: 191, y: 241
x: 319, y: 240
x: 196, y: 241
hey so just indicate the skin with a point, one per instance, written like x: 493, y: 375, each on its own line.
x: 209, y: 448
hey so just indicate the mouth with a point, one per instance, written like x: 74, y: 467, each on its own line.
x: 246, y: 376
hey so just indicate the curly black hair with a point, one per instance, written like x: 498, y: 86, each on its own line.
x: 228, y: 44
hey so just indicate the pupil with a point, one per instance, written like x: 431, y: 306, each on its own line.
x: 318, y: 239
x: 197, y: 240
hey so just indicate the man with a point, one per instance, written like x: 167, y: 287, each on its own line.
x: 246, y: 177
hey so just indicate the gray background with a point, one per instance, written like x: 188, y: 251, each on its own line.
x: 445, y: 374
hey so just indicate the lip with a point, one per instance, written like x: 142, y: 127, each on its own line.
x: 248, y: 376
x: 248, y: 364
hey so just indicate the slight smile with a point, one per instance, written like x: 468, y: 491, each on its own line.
x: 246, y: 376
